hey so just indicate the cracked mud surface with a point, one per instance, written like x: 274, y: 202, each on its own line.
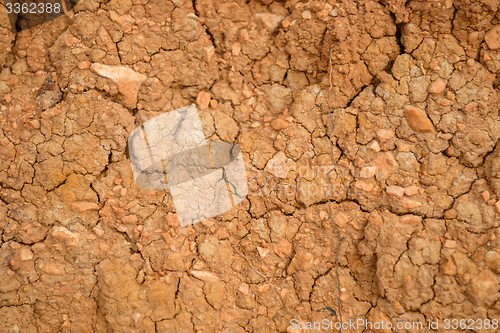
x: 407, y: 181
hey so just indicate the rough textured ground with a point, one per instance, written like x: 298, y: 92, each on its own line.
x: 413, y: 89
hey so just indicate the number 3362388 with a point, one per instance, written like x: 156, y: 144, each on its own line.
x: 33, y: 8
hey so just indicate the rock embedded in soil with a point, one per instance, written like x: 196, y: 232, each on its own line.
x: 84, y: 206
x: 417, y: 119
x: 437, y: 87
x: 203, y: 100
x: 385, y: 164
x: 367, y: 172
x: 278, y: 98
x: 271, y: 21
x: 396, y: 191
x: 205, y: 276
x: 385, y: 134
x: 492, y: 37
x: 126, y: 80
x: 482, y: 286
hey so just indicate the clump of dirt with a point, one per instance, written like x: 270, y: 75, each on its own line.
x: 371, y: 136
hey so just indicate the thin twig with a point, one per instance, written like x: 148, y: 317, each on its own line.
x: 19, y: 171
x: 259, y: 273
x: 330, y: 70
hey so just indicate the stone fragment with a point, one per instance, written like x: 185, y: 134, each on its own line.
x: 492, y: 37
x: 105, y: 41
x: 497, y: 206
x: 471, y: 107
x: 263, y: 289
x: 483, y: 285
x: 450, y: 244
x: 386, y: 164
x: 124, y: 20
x: 301, y: 262
x: 271, y: 21
x: 486, y: 196
x: 419, y: 89
x: 84, y: 206
x: 374, y: 146
x: 410, y: 204
x: 368, y: 172
x: 64, y: 234
x: 51, y: 112
x: 363, y: 187
x: 236, y: 49
x: 98, y: 231
x: 385, y: 134
x: 35, y: 123
x: 208, y: 52
x: 406, y: 161
x: 52, y: 268
x: 395, y: 191
x: 283, y: 249
x: 417, y: 119
x: 279, y: 124
x: 277, y: 165
x: 263, y: 252
x: 26, y: 254
x: 279, y: 98
x: 247, y: 92
x: 492, y: 259
x: 15, y: 245
x: 437, y: 87
x: 244, y: 36
x: 126, y: 80
x: 222, y: 233
x: 215, y: 294
x: 341, y: 219
x: 203, y: 100
x: 306, y: 14
x: 84, y: 65
x: 244, y: 288
x: 411, y: 190
x: 205, y: 276
x: 129, y: 219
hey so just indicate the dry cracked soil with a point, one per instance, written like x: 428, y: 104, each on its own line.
x: 371, y: 137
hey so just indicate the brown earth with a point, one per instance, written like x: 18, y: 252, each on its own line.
x: 403, y: 192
